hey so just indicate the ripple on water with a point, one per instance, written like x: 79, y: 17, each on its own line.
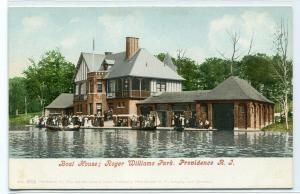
x: 30, y: 142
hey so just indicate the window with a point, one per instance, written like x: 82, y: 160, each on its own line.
x: 160, y: 86
x: 119, y: 85
x: 135, y: 84
x: 77, y: 89
x: 99, y: 108
x: 242, y: 108
x: 121, y: 105
x: 91, y: 108
x: 99, y: 86
x: 146, y: 84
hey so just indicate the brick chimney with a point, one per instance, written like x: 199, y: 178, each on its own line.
x: 132, y: 46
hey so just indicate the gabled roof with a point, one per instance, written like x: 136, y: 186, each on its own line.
x: 93, y: 60
x: 141, y: 64
x: 64, y: 100
x: 168, y: 61
x: 234, y: 88
x: 175, y: 97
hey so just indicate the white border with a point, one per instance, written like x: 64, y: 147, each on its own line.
x: 82, y: 3
x: 146, y: 3
x: 3, y: 99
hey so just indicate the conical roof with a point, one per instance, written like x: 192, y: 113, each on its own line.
x: 168, y: 61
x: 234, y: 88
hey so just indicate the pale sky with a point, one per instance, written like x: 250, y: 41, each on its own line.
x: 199, y: 31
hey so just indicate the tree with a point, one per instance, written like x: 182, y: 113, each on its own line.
x: 236, y: 50
x: 50, y: 76
x: 213, y: 71
x: 17, y: 95
x: 161, y: 56
x: 283, y: 68
x: 258, y: 69
x: 189, y: 70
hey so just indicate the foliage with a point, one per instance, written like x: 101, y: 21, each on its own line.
x: 279, y: 126
x: 259, y: 71
x: 17, y: 94
x: 22, y: 119
x: 161, y: 56
x: 47, y: 78
x: 213, y: 71
x: 189, y: 70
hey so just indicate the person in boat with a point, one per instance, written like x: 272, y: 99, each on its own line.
x: 141, y: 119
x: 64, y: 121
x: 182, y: 120
x: 176, y: 121
x: 133, y: 121
x: 201, y: 124
x: 206, y: 124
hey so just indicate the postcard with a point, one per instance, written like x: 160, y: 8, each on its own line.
x: 150, y: 97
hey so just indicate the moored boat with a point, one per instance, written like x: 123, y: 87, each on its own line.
x: 63, y: 128
x: 149, y: 128
x: 179, y: 128
x: 39, y: 126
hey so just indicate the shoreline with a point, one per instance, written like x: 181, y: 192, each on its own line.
x: 163, y: 129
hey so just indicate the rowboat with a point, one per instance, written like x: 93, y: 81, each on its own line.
x: 150, y: 128
x: 39, y: 126
x: 64, y: 128
x: 179, y: 128
x: 199, y: 129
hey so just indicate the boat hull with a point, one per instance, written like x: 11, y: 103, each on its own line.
x: 144, y: 128
x: 179, y: 128
x: 57, y: 128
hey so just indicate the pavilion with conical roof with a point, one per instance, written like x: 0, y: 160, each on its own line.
x: 232, y: 105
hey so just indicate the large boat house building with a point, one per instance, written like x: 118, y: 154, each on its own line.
x: 118, y: 81
x: 135, y: 82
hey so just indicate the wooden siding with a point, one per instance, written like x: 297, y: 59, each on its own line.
x: 82, y: 72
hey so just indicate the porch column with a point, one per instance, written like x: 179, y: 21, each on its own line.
x: 122, y: 82
x: 270, y: 114
x: 273, y: 113
x: 140, y: 87
x: 255, y: 116
x: 262, y: 115
x: 236, y: 115
x: 249, y: 118
x: 130, y: 86
x: 198, y: 112
x: 169, y: 115
x: 210, y: 115
x: 267, y: 115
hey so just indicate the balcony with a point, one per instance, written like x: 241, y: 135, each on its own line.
x: 141, y: 94
x: 80, y: 97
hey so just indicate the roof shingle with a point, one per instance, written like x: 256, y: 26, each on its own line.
x: 64, y: 100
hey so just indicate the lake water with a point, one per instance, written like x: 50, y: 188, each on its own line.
x: 29, y: 142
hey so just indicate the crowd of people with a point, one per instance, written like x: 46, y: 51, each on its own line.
x: 69, y: 120
x: 190, y: 122
x: 133, y: 121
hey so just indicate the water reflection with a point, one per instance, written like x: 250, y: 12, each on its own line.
x: 89, y: 143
